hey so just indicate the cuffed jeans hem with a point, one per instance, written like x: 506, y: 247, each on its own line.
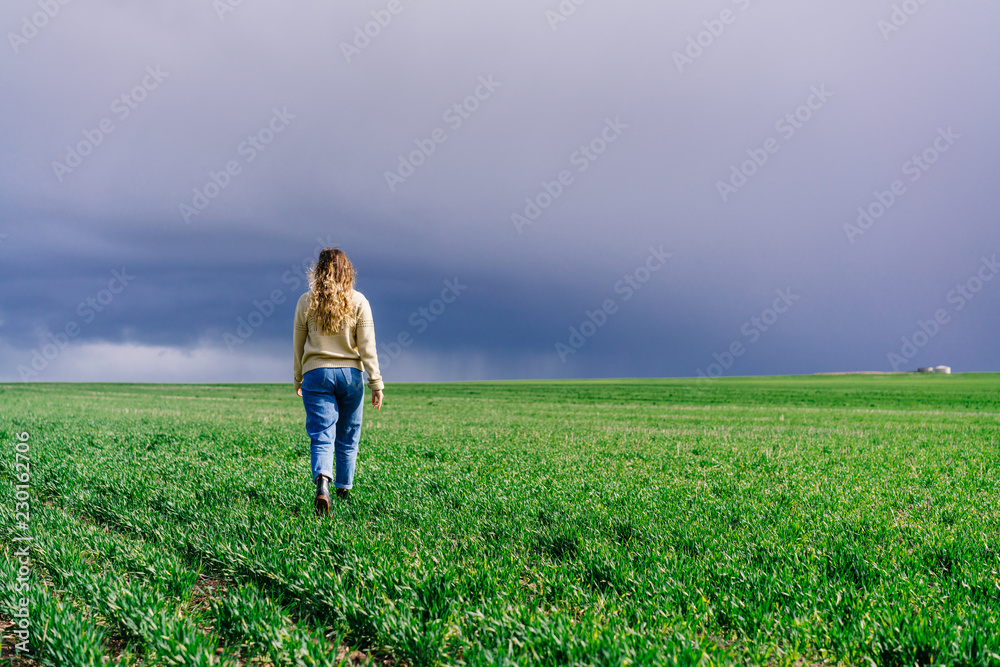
x: 344, y: 486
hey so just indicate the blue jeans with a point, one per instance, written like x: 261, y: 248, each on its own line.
x: 333, y: 398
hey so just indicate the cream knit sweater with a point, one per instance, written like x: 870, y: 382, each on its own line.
x: 352, y: 347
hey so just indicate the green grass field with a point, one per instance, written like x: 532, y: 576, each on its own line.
x: 778, y: 521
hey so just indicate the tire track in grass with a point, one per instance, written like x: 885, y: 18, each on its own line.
x: 59, y: 633
x: 161, y: 530
x: 289, y: 640
x: 145, y: 612
x: 77, y: 562
x: 307, y: 592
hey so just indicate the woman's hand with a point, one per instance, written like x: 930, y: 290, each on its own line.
x: 298, y: 392
x: 377, y: 399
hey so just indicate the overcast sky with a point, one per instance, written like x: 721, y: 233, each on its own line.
x: 602, y: 189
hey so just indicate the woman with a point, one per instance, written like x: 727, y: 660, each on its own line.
x: 334, y: 340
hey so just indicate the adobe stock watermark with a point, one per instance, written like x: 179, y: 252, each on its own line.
x: 786, y: 126
x: 21, y: 617
x: 455, y: 116
x: 420, y: 320
x: 627, y: 287
x: 30, y: 26
x: 223, y: 7
x: 958, y: 298
x: 714, y: 29
x: 57, y: 343
x: 915, y: 167
x: 263, y: 309
x: 562, y: 12
x: 581, y: 158
x: 899, y: 17
x: 254, y: 145
x: 363, y: 35
x: 752, y: 330
x: 296, y: 277
x: 122, y: 107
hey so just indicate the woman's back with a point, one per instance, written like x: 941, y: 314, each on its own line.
x: 352, y: 344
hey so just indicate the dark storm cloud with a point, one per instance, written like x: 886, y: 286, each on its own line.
x: 226, y: 145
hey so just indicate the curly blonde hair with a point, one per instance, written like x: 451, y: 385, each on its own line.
x: 331, y: 291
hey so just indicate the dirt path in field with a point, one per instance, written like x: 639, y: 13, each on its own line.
x: 8, y: 656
